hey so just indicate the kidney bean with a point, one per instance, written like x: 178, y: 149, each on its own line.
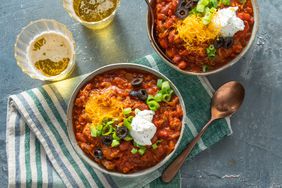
x: 161, y: 17
x: 237, y: 48
x: 171, y: 36
x: 163, y: 35
x: 183, y: 52
x: 176, y: 58
x: 165, y: 9
x: 163, y: 133
x: 80, y: 137
x: 163, y: 43
x: 169, y: 23
x: 182, y: 65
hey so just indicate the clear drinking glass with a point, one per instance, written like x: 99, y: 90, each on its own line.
x: 25, y: 38
x: 68, y: 5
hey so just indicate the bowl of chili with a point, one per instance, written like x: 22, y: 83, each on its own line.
x: 202, y: 37
x: 126, y: 120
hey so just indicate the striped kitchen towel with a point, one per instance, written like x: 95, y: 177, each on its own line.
x: 40, y: 154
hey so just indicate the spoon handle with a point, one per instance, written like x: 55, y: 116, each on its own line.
x: 173, y: 168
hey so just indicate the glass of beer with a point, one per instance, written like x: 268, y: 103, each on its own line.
x: 94, y: 14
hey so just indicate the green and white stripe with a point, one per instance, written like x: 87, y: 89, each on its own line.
x: 39, y: 151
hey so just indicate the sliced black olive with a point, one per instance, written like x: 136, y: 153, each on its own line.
x: 219, y: 42
x: 228, y: 42
x: 136, y: 82
x: 181, y: 13
x: 122, y: 132
x: 133, y: 93
x: 182, y: 3
x: 98, y: 153
x: 107, y: 140
x: 189, y: 5
x: 142, y: 94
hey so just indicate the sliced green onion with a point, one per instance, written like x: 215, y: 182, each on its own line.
x: 127, y: 111
x: 136, y: 110
x: 205, y: 68
x: 134, y: 150
x: 150, y: 98
x: 204, y: 2
x: 94, y: 132
x: 115, y: 137
x: 158, y: 141
x: 129, y: 119
x: 107, y: 129
x: 212, y: 10
x: 110, y: 122
x: 225, y: 2
x: 106, y: 120
x: 128, y: 138
x: 99, y: 127
x: 155, y: 146
x: 214, y: 3
x: 166, y: 97
x: 165, y: 86
x: 200, y: 8
x: 115, y: 143
x: 211, y: 51
x: 158, y: 97
x: 153, y: 105
x: 141, y: 151
x: 159, y: 83
x: 207, y: 18
x: 137, y: 145
x: 127, y: 124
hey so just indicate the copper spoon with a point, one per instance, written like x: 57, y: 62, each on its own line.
x: 225, y: 102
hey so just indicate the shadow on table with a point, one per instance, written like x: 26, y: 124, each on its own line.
x: 108, y: 44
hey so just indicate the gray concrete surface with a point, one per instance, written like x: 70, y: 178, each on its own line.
x: 251, y: 157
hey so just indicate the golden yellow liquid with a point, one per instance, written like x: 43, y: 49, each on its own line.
x: 50, y: 53
x: 51, y: 68
x: 94, y: 10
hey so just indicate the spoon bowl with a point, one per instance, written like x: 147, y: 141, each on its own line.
x: 225, y: 102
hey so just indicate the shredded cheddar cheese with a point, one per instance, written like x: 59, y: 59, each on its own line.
x: 103, y: 104
x: 195, y: 34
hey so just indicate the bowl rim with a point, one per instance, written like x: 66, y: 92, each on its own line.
x: 227, y: 65
x: 71, y: 40
x: 70, y: 123
x: 77, y: 18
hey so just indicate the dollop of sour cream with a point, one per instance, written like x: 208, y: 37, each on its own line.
x: 227, y: 19
x: 143, y: 129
